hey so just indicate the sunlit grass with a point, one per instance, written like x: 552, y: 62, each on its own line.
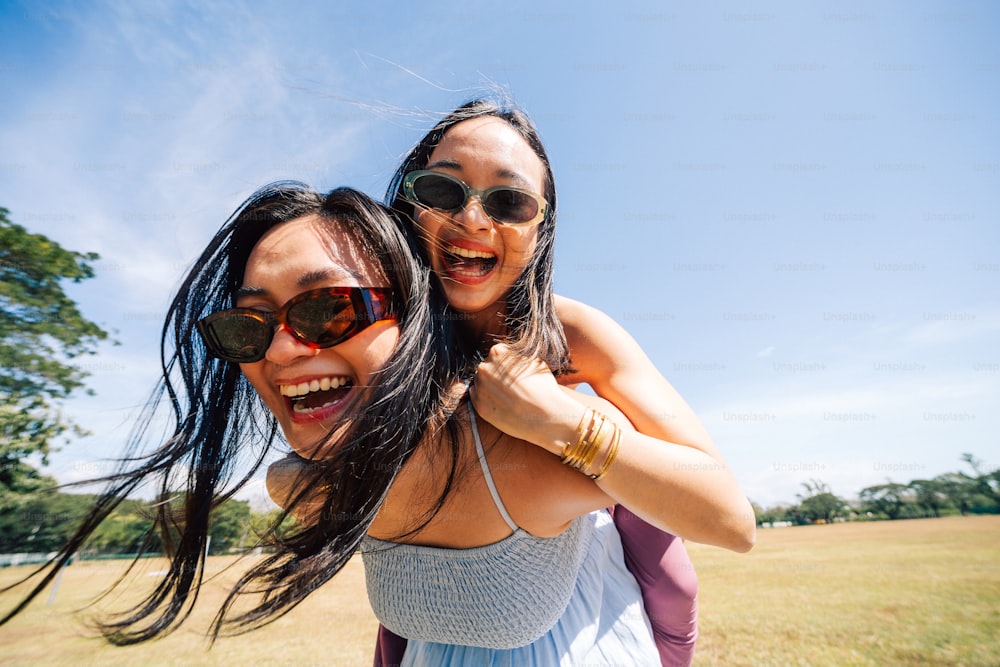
x: 887, y: 593
x: 333, y: 627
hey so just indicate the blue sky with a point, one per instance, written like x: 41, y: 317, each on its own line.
x: 794, y: 207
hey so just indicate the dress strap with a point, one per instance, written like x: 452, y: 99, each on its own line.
x: 486, y: 471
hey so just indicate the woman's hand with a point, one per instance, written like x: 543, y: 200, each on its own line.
x: 520, y: 396
x: 676, y: 487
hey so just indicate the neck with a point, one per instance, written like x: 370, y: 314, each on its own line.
x: 486, y: 326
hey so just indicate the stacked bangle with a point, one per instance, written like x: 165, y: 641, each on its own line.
x: 593, y: 432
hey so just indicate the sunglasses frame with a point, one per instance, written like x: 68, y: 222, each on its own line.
x: 370, y: 304
x: 411, y: 196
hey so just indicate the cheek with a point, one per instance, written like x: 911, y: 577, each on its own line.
x: 520, y: 242
x: 254, y: 373
x: 377, y: 351
x: 428, y: 226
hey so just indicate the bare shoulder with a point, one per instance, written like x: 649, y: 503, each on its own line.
x: 579, y: 317
x: 597, y: 343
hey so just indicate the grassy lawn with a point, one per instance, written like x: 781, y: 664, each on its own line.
x: 901, y: 593
x: 333, y: 627
x: 918, y: 592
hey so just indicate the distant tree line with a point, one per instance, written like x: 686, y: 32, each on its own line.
x: 43, y: 521
x: 953, y: 493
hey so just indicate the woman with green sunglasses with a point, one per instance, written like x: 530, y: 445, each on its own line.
x: 496, y: 146
x: 494, y: 262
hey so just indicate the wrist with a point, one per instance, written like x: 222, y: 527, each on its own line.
x: 595, y: 447
x: 564, y: 427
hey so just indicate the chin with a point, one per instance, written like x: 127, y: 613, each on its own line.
x: 307, y: 443
x: 465, y: 299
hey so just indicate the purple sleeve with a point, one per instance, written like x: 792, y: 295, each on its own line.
x: 389, y: 648
x: 661, y: 566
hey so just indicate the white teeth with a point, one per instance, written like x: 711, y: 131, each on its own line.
x: 471, y: 254
x: 303, y: 388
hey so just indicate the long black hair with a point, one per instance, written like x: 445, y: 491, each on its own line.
x: 222, y: 431
x: 533, y: 329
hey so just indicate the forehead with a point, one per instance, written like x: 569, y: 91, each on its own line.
x: 490, y: 147
x: 306, y: 247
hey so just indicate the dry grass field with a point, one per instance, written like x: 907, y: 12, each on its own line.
x: 918, y: 592
x: 333, y: 627
x: 922, y: 592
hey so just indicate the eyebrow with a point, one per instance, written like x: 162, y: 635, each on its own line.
x: 305, y: 280
x: 500, y: 173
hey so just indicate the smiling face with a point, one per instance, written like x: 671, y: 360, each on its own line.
x: 311, y: 390
x: 476, y: 259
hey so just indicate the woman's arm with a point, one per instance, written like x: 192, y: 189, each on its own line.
x: 680, y: 484
x: 607, y: 358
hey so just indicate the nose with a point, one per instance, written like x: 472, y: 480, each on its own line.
x: 286, y: 348
x: 473, y: 216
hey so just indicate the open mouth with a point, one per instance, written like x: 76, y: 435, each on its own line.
x: 466, y: 263
x: 317, y: 398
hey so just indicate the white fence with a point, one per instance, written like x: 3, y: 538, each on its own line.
x: 10, y: 560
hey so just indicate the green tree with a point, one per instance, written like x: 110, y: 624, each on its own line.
x: 959, y: 489
x: 929, y: 495
x: 891, y: 499
x: 230, y: 527
x: 262, y: 522
x: 41, y: 332
x: 127, y: 530
x: 821, y: 504
x: 39, y: 522
x: 986, y: 485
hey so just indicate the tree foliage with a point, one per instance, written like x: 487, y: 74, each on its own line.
x: 820, y: 504
x: 230, y: 527
x: 890, y: 499
x: 44, y: 521
x: 39, y: 522
x: 41, y: 332
x: 947, y: 494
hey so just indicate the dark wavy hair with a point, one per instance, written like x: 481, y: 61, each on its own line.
x: 221, y: 430
x: 533, y: 328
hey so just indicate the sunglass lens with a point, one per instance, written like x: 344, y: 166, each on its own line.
x: 510, y: 206
x: 439, y: 192
x: 322, y: 320
x: 242, y: 338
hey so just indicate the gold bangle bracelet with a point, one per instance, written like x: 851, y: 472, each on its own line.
x: 571, y: 450
x: 594, y: 431
x: 600, y: 437
x: 574, y: 454
x: 616, y: 440
x: 596, y: 439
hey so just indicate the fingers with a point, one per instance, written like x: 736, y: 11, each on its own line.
x: 502, y: 361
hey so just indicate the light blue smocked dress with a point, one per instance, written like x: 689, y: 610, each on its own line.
x: 565, y: 600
